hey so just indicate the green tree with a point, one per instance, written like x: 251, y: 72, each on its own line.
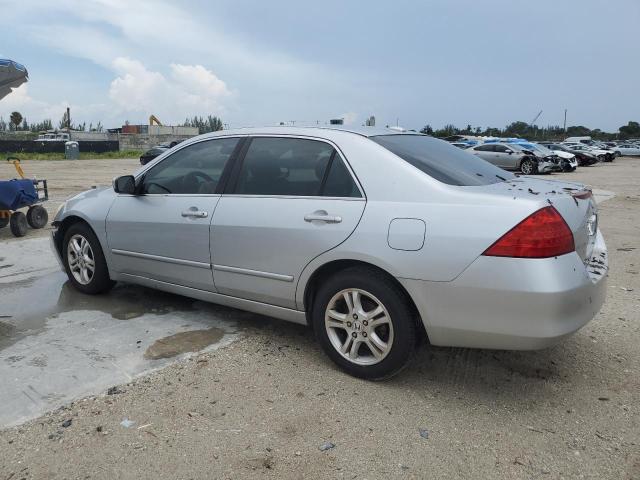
x: 578, y: 131
x: 16, y: 119
x: 630, y: 130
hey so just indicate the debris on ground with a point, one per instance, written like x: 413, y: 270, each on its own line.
x: 325, y: 446
x: 67, y: 423
x: 114, y: 391
x: 126, y: 423
x: 424, y: 433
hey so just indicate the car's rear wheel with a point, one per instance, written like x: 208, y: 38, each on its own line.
x: 84, y: 261
x: 364, y: 323
x: 527, y: 167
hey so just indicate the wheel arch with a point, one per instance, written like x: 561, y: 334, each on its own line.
x: 332, y: 267
x: 64, y: 225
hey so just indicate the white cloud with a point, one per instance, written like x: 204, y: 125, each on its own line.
x: 189, y: 90
x: 184, y: 59
x: 30, y: 108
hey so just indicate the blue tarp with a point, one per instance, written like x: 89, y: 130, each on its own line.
x: 16, y: 194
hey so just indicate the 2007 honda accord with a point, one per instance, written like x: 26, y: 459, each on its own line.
x: 374, y: 237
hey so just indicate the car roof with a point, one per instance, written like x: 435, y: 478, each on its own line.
x: 316, y: 131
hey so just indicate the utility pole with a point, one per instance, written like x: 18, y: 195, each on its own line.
x: 565, y: 120
x: 68, y: 120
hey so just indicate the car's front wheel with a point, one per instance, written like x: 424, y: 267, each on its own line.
x: 528, y: 167
x: 364, y: 323
x: 84, y: 261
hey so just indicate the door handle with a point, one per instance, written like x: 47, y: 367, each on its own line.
x: 195, y: 214
x: 315, y: 217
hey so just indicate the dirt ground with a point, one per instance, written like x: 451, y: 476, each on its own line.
x: 266, y: 405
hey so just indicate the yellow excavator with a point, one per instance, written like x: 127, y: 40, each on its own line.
x: 153, y: 119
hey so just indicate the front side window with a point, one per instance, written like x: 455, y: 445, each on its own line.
x: 284, y: 166
x: 442, y: 161
x: 485, y: 148
x: 195, y: 169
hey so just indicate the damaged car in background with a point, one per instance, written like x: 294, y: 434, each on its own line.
x: 512, y: 157
x: 374, y: 238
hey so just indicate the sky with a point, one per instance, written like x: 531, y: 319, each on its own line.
x: 484, y: 63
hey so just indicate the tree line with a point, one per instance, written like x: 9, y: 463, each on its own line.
x: 204, y: 125
x: 525, y: 130
x: 18, y: 123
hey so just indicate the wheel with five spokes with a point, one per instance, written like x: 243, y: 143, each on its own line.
x: 84, y: 261
x: 365, y: 323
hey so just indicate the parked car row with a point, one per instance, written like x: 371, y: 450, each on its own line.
x: 544, y: 157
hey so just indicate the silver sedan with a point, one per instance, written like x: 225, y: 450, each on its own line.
x: 375, y: 238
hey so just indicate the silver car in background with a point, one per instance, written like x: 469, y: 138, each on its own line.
x: 510, y: 157
x: 373, y: 237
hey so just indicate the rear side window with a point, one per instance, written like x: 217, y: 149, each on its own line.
x: 288, y: 166
x: 339, y: 182
x: 442, y: 161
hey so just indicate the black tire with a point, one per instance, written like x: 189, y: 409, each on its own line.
x: 18, y: 224
x: 4, y: 221
x: 403, y: 322
x: 100, y: 281
x: 37, y: 216
x: 528, y: 167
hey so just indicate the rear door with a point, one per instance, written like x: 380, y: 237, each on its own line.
x: 162, y: 233
x: 289, y: 200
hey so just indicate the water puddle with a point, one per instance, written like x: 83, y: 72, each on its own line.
x: 183, y: 342
x: 26, y: 305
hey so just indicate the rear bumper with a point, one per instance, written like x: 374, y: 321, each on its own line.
x: 513, y: 304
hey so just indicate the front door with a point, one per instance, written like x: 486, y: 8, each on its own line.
x: 163, y: 232
x: 504, y: 157
x: 290, y: 200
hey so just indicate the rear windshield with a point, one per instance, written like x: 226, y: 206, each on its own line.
x: 443, y: 161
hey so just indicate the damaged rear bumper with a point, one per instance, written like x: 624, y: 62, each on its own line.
x: 511, y: 303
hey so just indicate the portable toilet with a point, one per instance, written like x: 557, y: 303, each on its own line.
x: 71, y: 150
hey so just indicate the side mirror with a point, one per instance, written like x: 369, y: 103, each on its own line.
x: 509, y: 152
x: 125, y: 184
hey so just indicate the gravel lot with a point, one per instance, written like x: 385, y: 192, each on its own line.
x: 265, y: 405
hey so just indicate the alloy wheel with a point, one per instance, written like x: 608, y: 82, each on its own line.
x: 359, y: 326
x: 80, y: 259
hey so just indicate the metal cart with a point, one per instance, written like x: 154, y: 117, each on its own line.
x: 22, y: 193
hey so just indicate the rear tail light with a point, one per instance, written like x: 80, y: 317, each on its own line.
x: 542, y: 234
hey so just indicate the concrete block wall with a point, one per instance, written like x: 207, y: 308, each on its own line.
x: 136, y: 141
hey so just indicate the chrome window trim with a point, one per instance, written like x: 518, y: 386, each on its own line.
x: 293, y: 197
x: 253, y: 273
x: 159, y: 258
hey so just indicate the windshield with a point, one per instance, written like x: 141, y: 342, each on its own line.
x: 442, y: 161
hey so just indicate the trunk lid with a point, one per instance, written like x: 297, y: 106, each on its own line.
x: 574, y: 201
